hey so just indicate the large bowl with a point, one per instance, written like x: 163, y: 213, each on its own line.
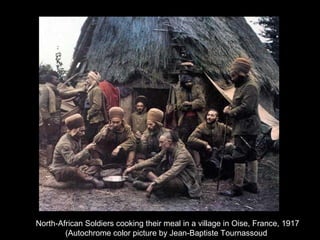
x: 114, y: 181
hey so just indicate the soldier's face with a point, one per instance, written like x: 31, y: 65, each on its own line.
x: 139, y: 107
x: 151, y: 125
x: 234, y: 76
x: 164, y: 143
x: 79, y: 132
x: 212, y: 116
x: 54, y: 80
x: 115, y: 123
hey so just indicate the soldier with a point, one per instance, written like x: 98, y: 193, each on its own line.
x: 70, y: 162
x: 207, y: 140
x: 49, y: 105
x: 148, y: 145
x: 171, y: 172
x: 95, y: 115
x: 245, y: 127
x: 138, y: 119
x: 115, y: 141
x: 190, y: 102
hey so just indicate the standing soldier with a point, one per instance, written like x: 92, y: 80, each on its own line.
x: 245, y: 127
x: 138, y: 119
x: 49, y: 105
x: 95, y: 113
x: 190, y: 102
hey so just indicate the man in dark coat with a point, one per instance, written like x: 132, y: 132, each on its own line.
x: 245, y: 127
x: 190, y: 102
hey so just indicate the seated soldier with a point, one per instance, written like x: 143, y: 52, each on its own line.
x: 171, y: 172
x: 70, y: 162
x: 115, y: 141
x: 208, y: 142
x: 148, y: 144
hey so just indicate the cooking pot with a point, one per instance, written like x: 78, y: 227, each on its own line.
x: 114, y: 181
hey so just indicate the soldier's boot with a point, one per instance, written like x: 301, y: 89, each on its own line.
x: 97, y: 183
x: 49, y: 154
x: 140, y: 185
x: 252, y: 184
x: 200, y: 174
x: 197, y: 160
x: 87, y: 178
x: 239, y: 173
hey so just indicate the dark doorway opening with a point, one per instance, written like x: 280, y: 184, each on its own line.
x: 157, y: 98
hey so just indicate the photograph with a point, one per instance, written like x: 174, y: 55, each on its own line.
x: 158, y: 113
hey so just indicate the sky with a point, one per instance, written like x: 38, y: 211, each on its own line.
x: 63, y: 33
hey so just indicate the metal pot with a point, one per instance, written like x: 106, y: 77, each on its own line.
x: 114, y: 181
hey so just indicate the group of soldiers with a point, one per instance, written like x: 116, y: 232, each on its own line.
x: 166, y: 162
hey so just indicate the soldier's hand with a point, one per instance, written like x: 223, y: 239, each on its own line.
x: 208, y: 148
x: 186, y: 103
x: 127, y: 170
x: 116, y: 151
x: 227, y: 110
x: 90, y: 146
x: 138, y: 134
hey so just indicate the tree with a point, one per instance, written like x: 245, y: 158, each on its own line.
x: 59, y: 65
x: 271, y: 32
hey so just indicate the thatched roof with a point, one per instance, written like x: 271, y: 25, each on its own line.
x: 127, y: 48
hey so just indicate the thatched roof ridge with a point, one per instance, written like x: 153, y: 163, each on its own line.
x: 142, y: 42
x: 127, y: 48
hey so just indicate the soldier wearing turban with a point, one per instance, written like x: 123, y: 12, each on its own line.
x: 245, y: 128
x: 71, y: 162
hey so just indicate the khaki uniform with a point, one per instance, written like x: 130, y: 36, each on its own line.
x: 183, y: 168
x: 190, y: 117
x: 95, y: 114
x: 49, y: 104
x: 198, y: 102
x: 95, y: 111
x: 244, y: 112
x: 68, y: 156
x: 138, y: 121
x: 107, y: 140
x: 206, y: 134
x: 213, y: 135
x: 149, y: 142
x: 245, y: 120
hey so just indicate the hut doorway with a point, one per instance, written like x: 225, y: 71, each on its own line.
x: 157, y: 98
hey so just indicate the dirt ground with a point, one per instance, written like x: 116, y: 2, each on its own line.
x: 54, y: 196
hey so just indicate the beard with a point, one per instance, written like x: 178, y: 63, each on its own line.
x: 211, y: 122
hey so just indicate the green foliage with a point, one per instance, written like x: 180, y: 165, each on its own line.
x: 59, y: 64
x: 271, y: 32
